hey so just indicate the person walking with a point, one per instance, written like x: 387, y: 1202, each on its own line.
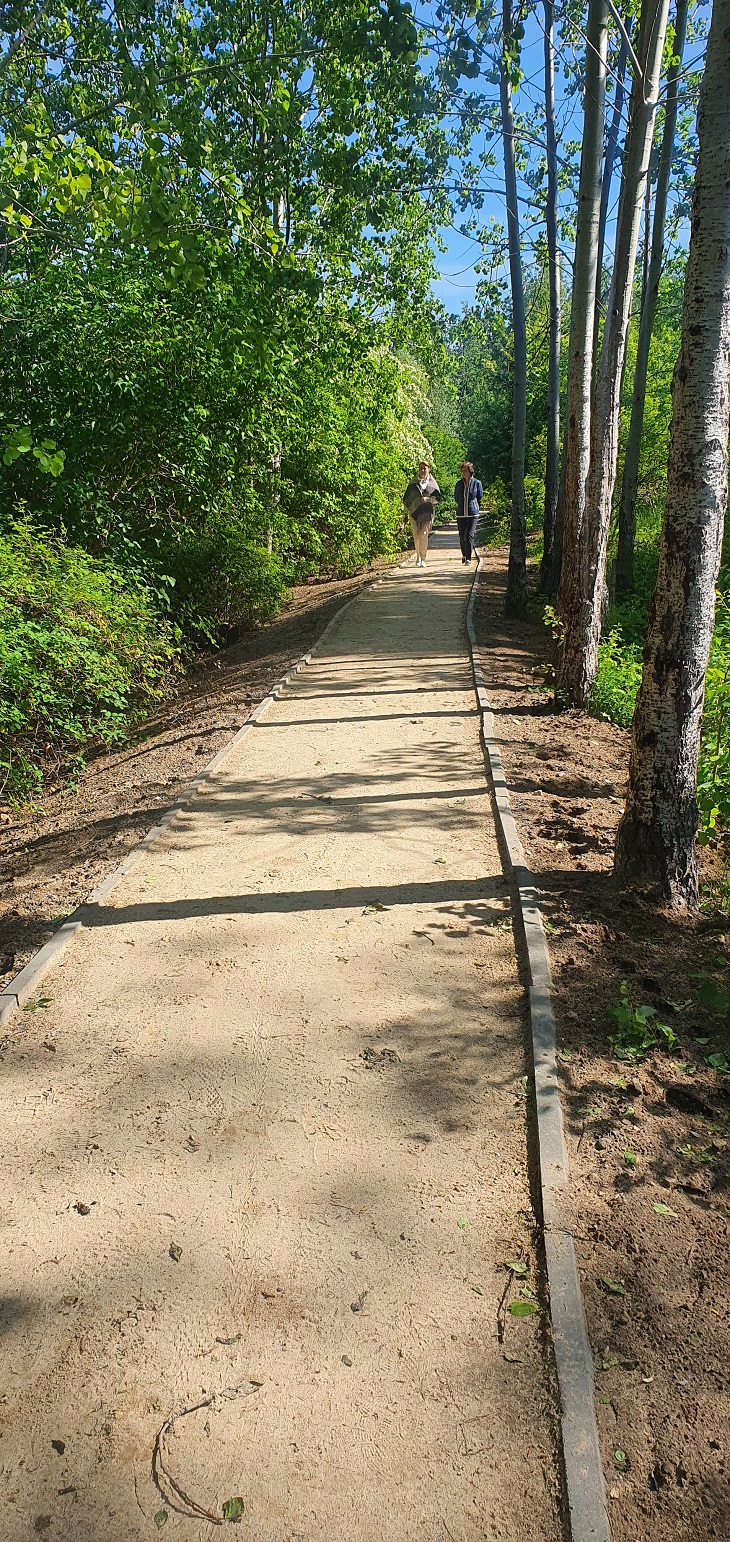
x: 420, y: 499
x: 468, y: 494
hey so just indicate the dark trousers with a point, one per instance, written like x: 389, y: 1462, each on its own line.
x: 467, y: 531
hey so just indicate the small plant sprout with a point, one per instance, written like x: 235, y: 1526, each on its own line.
x: 638, y: 1029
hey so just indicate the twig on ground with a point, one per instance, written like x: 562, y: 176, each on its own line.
x: 161, y: 1472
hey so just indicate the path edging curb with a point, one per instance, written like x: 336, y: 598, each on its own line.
x: 584, y: 1482
x: 21, y: 987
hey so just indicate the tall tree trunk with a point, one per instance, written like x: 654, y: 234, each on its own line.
x: 656, y: 836
x: 515, y: 603
x: 582, y: 310
x: 630, y: 482
x: 582, y: 617
x: 614, y: 129
x: 646, y: 237
x: 548, y: 571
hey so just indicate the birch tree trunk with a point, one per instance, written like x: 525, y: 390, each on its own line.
x: 582, y: 311
x: 515, y: 603
x: 582, y: 617
x: 656, y: 836
x: 548, y: 574
x: 614, y: 129
x: 630, y: 482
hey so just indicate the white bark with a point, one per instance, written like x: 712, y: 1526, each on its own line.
x: 630, y: 482
x: 656, y: 837
x: 516, y: 593
x: 552, y: 460
x: 583, y: 615
x: 609, y: 159
x: 580, y: 352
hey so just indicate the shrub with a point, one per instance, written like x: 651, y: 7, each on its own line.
x: 82, y: 653
x: 617, y: 680
x: 222, y: 580
x: 713, y: 779
x: 494, y: 526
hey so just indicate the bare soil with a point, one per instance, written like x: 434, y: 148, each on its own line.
x: 655, y: 1281
x: 54, y: 854
x: 268, y: 1169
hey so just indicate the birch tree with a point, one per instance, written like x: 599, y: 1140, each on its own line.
x: 630, y: 480
x: 656, y: 837
x: 582, y: 614
x: 515, y: 603
x: 580, y: 351
x: 552, y: 460
x: 609, y: 160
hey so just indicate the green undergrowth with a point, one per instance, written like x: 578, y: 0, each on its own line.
x: 83, y: 653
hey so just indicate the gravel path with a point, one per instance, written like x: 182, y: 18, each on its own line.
x: 268, y: 1152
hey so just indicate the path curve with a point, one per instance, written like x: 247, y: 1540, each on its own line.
x: 267, y: 1139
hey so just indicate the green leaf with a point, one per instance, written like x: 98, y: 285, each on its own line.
x: 630, y: 1158
x: 522, y: 1308
x: 463, y: 1221
x: 662, y: 1209
x: 233, y: 1509
x: 518, y: 1266
x: 613, y: 1286
x: 161, y: 1519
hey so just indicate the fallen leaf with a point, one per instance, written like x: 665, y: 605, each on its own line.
x: 662, y: 1209
x: 233, y: 1509
x: 463, y: 1221
x: 175, y: 1252
x: 522, y: 1308
x: 517, y: 1265
x: 614, y: 1286
x: 161, y: 1519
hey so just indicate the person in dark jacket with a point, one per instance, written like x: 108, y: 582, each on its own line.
x: 420, y: 498
x: 468, y: 494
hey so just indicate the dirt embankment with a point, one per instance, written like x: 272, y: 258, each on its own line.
x: 648, y: 1143
x: 52, y: 856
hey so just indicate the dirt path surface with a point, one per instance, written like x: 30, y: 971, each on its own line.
x: 268, y: 1152
x: 52, y: 855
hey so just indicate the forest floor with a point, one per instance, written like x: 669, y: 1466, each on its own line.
x: 265, y: 1143
x: 648, y: 1143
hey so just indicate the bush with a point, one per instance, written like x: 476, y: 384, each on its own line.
x: 82, y: 653
x: 713, y: 778
x: 617, y: 680
x: 222, y: 580
x: 494, y: 525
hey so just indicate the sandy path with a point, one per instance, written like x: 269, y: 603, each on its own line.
x: 319, y: 1102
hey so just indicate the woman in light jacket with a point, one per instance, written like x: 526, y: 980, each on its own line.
x: 468, y: 494
x: 420, y: 498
